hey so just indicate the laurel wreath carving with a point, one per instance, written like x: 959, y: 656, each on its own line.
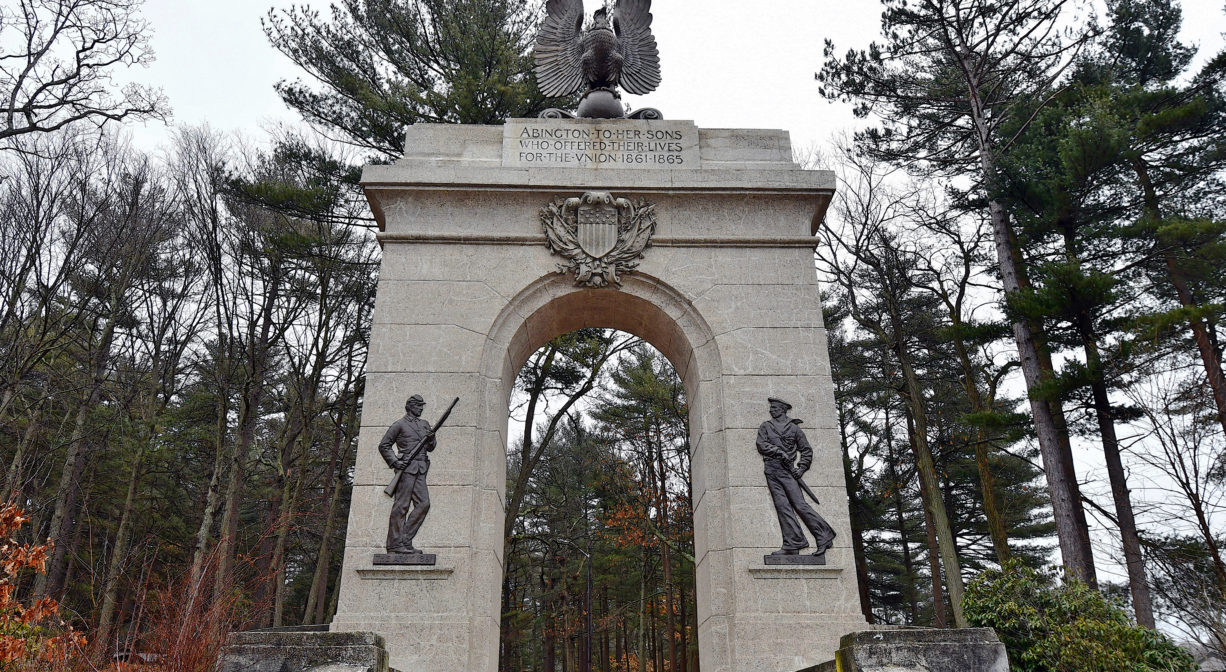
x: 636, y: 224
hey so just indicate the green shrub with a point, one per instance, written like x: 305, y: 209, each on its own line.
x: 1065, y: 628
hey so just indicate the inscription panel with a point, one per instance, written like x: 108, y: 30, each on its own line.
x: 599, y: 144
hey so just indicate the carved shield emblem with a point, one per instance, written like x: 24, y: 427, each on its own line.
x: 597, y: 223
x: 599, y: 235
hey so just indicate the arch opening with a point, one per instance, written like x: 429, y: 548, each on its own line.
x: 633, y: 489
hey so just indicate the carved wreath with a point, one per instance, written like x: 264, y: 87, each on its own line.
x: 598, y: 257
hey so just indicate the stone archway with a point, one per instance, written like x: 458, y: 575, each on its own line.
x: 644, y: 307
x: 727, y: 292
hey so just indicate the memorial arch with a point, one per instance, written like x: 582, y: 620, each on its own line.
x: 473, y: 281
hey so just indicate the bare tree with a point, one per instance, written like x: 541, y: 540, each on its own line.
x: 879, y: 280
x: 133, y: 219
x: 1177, y: 439
x: 58, y: 59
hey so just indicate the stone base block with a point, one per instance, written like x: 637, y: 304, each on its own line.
x: 288, y: 650
x: 918, y: 650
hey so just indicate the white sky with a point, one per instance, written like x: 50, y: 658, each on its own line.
x: 725, y: 64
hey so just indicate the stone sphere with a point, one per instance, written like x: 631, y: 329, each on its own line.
x: 600, y: 104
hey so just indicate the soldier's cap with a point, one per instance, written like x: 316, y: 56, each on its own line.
x: 786, y: 406
x: 415, y: 399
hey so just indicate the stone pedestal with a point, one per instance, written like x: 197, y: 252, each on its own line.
x: 919, y: 650
x: 726, y: 291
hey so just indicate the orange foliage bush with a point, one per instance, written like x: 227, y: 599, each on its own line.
x: 33, y: 637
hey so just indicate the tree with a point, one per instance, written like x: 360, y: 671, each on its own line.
x: 1178, y: 439
x: 57, y: 60
x: 1066, y: 628
x: 1069, y: 223
x: 567, y: 368
x: 384, y: 64
x: 948, y: 75
x: 132, y: 222
x: 1166, y: 134
x: 876, y: 277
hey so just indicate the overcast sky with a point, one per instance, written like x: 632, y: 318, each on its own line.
x: 725, y: 64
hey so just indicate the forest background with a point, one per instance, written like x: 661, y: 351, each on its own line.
x: 1023, y: 265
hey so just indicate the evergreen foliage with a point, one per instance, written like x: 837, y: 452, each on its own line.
x: 1067, y: 627
x: 380, y: 65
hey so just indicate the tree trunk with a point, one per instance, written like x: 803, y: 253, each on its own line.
x: 685, y: 622
x: 1135, y: 563
x: 987, y: 482
x: 930, y: 491
x: 119, y: 555
x: 857, y: 535
x: 900, y: 518
x: 16, y: 472
x: 939, y: 618
x: 258, y: 354
x: 63, y: 520
x: 200, y: 548
x: 604, y: 635
x: 550, y: 623
x: 1209, y: 356
x: 666, y: 556
x: 642, y: 633
x: 1071, y: 528
x: 292, y: 490
x: 1204, y: 340
x: 313, y: 613
x: 619, y: 646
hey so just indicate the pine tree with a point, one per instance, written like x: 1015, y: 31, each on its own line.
x: 384, y: 64
x: 948, y: 75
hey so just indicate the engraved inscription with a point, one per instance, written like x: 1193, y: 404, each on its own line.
x: 623, y: 144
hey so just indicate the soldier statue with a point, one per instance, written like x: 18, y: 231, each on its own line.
x: 780, y: 440
x: 413, y: 442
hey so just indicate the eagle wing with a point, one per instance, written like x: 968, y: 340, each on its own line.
x: 641, y: 68
x: 559, y: 68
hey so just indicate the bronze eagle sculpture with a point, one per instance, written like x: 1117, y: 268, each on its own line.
x: 614, y: 51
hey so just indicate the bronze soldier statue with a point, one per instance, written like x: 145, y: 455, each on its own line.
x: 410, y: 489
x: 779, y: 442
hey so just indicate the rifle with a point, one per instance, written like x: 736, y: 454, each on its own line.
x: 390, y: 490
x: 806, y: 489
